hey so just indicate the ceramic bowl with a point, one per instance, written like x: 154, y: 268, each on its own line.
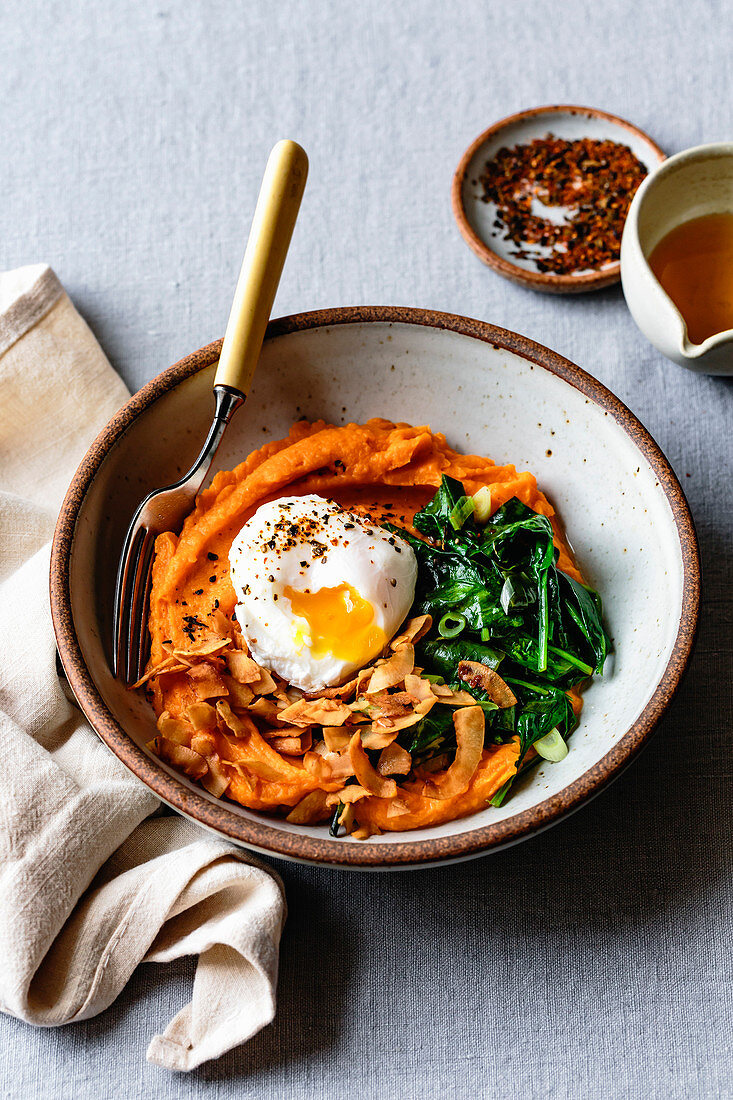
x: 476, y: 218
x: 691, y: 184
x: 492, y: 392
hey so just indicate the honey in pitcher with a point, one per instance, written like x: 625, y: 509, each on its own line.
x: 694, y: 264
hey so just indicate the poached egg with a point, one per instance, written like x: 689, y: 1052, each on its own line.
x: 320, y: 590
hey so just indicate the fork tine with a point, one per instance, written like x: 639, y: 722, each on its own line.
x: 138, y: 634
x: 123, y: 597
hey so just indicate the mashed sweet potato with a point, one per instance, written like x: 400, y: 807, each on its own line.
x: 385, y: 470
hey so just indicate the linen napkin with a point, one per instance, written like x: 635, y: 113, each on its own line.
x: 90, y: 883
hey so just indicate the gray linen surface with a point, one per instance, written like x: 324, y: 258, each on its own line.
x: 593, y: 960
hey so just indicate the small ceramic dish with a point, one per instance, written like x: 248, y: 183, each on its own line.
x: 476, y: 217
x: 493, y: 393
x: 690, y: 184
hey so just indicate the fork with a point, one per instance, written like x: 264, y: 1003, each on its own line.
x: 165, y: 509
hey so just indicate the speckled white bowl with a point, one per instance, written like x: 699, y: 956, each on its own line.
x: 491, y: 392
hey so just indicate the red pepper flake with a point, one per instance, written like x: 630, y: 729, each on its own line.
x: 594, y: 181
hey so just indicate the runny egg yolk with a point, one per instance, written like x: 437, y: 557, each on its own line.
x: 340, y: 622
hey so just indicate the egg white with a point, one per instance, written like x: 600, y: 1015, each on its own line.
x: 309, y: 543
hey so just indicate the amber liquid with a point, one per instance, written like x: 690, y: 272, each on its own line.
x: 694, y: 264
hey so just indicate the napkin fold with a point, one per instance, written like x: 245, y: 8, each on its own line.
x: 90, y: 883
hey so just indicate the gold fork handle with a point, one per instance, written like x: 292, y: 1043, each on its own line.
x: 272, y: 227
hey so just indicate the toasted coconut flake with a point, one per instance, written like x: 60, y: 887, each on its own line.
x: 365, y: 831
x: 361, y: 705
x: 265, y: 709
x: 174, y: 729
x: 244, y: 779
x: 458, y: 699
x: 318, y: 712
x: 346, y: 817
x: 240, y: 724
x: 327, y: 765
x: 352, y: 793
x: 293, y: 745
x: 357, y: 718
x: 487, y: 679
x: 363, y: 678
x: 343, y: 691
x: 182, y: 757
x: 339, y: 761
x: 384, y: 730
x: 265, y: 685
x: 207, y: 681
x: 394, y: 760
x: 204, y: 744
x: 168, y: 664
x: 394, y: 669
x: 240, y: 695
x: 396, y: 705
x: 207, y: 647
x: 470, y: 725
x: 242, y: 668
x: 310, y: 810
x: 317, y: 765
x: 336, y: 738
x: 414, y: 630
x: 375, y: 738
x: 341, y: 766
x: 216, y: 779
x: 256, y: 766
x: 202, y: 716
x: 365, y: 773
x: 417, y: 688
x: 394, y: 725
x: 397, y: 807
x: 441, y: 691
x: 271, y: 732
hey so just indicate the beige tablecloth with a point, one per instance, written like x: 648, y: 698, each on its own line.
x: 90, y: 883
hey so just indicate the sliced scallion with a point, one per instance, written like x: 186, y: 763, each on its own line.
x: 485, y: 634
x: 507, y: 592
x: 552, y: 746
x: 451, y: 625
x: 463, y: 508
x: 482, y: 504
x: 501, y: 794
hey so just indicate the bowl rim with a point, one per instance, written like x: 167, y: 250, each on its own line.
x: 401, y: 852
x: 538, y: 280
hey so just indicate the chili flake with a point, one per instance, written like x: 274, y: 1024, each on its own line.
x: 594, y: 181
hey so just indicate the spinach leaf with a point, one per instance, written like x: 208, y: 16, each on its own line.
x: 583, y: 607
x: 434, y: 729
x: 434, y: 519
x: 522, y: 613
x: 444, y: 654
